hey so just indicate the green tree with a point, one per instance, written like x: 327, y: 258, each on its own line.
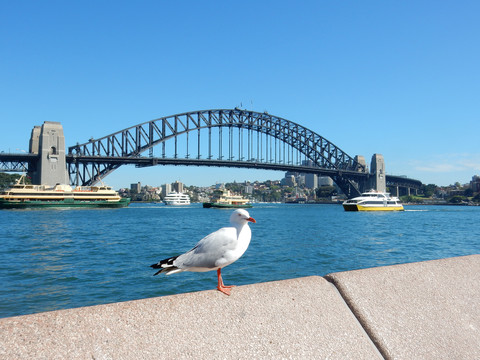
x: 428, y: 190
x: 7, y: 180
x: 410, y: 199
x: 469, y: 192
x: 457, y: 199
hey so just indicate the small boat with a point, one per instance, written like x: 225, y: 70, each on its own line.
x: 373, y: 201
x: 22, y: 196
x: 228, y: 200
x: 175, y: 198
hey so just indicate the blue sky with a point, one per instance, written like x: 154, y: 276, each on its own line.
x: 397, y: 78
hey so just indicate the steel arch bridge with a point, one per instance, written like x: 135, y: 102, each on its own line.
x: 221, y: 137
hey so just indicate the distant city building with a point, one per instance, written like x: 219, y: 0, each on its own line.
x: 177, y: 186
x: 248, y: 189
x: 475, y: 183
x: 166, y: 189
x: 300, y: 179
x: 288, y: 180
x: 325, y: 181
x: 136, y: 187
x: 311, y: 181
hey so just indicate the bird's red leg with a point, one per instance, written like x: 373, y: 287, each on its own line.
x: 221, y: 287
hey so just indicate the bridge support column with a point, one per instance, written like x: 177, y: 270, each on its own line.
x: 397, y: 192
x: 49, y: 142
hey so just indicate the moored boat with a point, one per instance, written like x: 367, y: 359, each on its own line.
x: 175, y: 198
x: 22, y: 195
x: 373, y: 201
x: 228, y: 200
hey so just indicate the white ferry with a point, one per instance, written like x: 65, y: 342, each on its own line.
x: 175, y: 198
x: 373, y: 201
x: 22, y: 195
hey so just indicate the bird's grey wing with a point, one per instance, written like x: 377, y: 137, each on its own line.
x: 209, y: 250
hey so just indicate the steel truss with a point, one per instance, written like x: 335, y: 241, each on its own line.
x: 235, y: 135
x: 18, y: 162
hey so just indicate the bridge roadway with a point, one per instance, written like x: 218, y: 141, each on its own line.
x: 149, y: 161
x: 17, y: 162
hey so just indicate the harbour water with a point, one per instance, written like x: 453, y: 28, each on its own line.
x: 57, y: 259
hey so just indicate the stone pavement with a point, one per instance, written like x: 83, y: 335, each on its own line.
x: 427, y: 310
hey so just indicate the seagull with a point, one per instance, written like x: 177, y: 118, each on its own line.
x: 215, y: 251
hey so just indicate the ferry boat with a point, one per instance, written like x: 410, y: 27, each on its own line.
x: 228, y: 200
x: 373, y: 201
x: 175, y: 198
x: 22, y: 195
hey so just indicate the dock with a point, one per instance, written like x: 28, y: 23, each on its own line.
x: 423, y: 310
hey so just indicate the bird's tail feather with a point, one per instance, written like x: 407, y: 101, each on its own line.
x: 166, y: 266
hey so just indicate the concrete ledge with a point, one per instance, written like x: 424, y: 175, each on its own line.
x: 300, y: 318
x: 425, y: 310
x: 411, y: 311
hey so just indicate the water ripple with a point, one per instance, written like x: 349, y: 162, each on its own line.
x: 52, y: 259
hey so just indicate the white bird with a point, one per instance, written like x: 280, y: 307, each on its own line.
x: 215, y: 251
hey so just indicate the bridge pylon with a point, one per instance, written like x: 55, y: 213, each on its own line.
x: 377, y: 170
x: 48, y: 142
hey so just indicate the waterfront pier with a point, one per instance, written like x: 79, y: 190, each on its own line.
x: 424, y: 310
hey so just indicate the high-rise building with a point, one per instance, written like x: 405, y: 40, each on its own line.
x: 177, y: 186
x: 136, y: 187
x: 475, y: 183
x: 288, y: 180
x: 166, y: 189
x: 311, y: 181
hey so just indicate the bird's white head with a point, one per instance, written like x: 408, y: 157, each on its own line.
x: 241, y: 217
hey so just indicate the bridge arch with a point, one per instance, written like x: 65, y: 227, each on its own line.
x: 262, y: 138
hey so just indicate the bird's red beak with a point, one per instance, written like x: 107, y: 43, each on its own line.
x: 251, y: 220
